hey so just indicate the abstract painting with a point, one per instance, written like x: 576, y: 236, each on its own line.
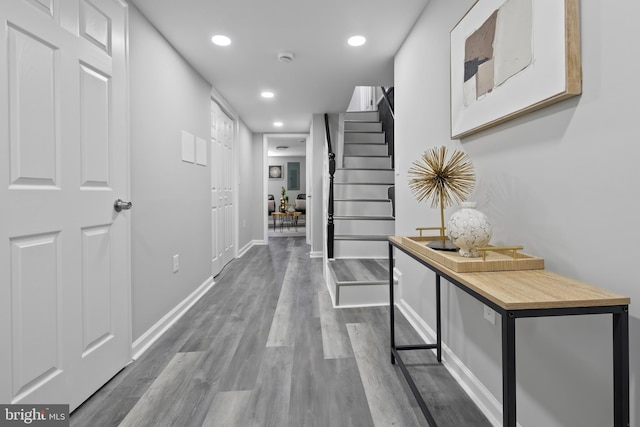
x: 512, y: 57
x: 275, y: 172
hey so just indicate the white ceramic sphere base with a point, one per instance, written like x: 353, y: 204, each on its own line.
x: 469, y: 229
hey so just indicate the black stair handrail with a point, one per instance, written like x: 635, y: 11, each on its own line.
x: 385, y: 95
x: 332, y: 171
x: 387, y: 117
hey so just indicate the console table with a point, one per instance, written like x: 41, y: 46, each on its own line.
x: 286, y: 218
x: 521, y: 294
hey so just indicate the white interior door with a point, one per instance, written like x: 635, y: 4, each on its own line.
x: 366, y: 98
x: 222, y: 207
x: 64, y: 251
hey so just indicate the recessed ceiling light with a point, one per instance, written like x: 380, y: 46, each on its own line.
x: 285, y: 56
x: 356, y: 41
x: 221, y: 40
x: 277, y: 124
x: 267, y: 94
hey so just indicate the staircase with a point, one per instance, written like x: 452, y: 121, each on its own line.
x: 362, y: 213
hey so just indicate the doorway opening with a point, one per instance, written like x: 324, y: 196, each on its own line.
x: 285, y: 185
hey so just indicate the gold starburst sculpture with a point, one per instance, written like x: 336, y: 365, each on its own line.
x: 442, y: 179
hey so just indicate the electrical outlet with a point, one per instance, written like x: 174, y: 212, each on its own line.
x: 490, y: 315
x: 176, y: 263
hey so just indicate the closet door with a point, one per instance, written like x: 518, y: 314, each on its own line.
x: 222, y: 207
x: 64, y: 250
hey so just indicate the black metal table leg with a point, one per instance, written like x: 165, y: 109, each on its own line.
x: 392, y: 323
x: 438, y: 321
x: 508, y: 370
x: 621, y: 368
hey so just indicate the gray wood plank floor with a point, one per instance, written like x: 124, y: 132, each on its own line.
x: 264, y: 347
x: 355, y: 270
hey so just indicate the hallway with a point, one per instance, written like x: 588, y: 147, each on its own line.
x: 264, y: 347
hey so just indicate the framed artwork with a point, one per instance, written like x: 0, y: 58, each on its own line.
x: 293, y: 176
x: 275, y: 172
x: 511, y: 57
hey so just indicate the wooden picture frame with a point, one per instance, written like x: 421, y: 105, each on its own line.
x: 509, y: 58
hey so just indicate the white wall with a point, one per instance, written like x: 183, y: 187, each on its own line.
x: 171, y: 207
x: 249, y: 170
x: 257, y: 199
x: 275, y: 185
x: 557, y: 181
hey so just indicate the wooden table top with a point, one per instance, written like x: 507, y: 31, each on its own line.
x: 527, y: 289
x: 296, y: 213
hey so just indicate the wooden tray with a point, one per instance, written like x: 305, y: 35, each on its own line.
x: 495, y: 261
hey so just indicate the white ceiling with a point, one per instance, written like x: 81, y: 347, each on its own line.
x: 295, y: 143
x: 325, y: 69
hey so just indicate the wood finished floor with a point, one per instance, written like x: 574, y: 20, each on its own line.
x: 354, y: 270
x: 265, y: 347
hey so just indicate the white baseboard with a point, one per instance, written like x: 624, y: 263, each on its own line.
x: 249, y: 245
x: 155, y: 332
x: 487, y: 403
x: 315, y: 254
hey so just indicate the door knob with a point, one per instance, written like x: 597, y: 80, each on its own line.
x: 120, y: 205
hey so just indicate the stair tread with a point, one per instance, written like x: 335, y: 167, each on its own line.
x: 374, y: 237
x: 380, y: 237
x: 386, y: 156
x: 364, y: 155
x: 363, y: 183
x: 365, y: 169
x: 365, y: 217
x: 362, y: 200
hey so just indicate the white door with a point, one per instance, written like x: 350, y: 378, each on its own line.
x: 222, y: 214
x: 64, y: 251
x: 366, y: 98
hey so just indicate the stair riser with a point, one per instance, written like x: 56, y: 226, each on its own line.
x: 364, y: 138
x: 362, y: 208
x: 367, y: 162
x: 363, y: 126
x: 364, y: 176
x: 362, y: 116
x: 364, y: 227
x: 360, y: 249
x: 366, y: 150
x: 360, y: 191
x: 363, y: 295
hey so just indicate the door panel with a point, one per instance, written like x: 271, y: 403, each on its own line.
x: 64, y: 290
x: 96, y: 286
x: 95, y: 26
x: 33, y: 99
x: 94, y: 125
x: 35, y: 321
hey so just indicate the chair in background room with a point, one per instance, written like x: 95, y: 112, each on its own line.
x: 301, y: 203
x: 271, y: 202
